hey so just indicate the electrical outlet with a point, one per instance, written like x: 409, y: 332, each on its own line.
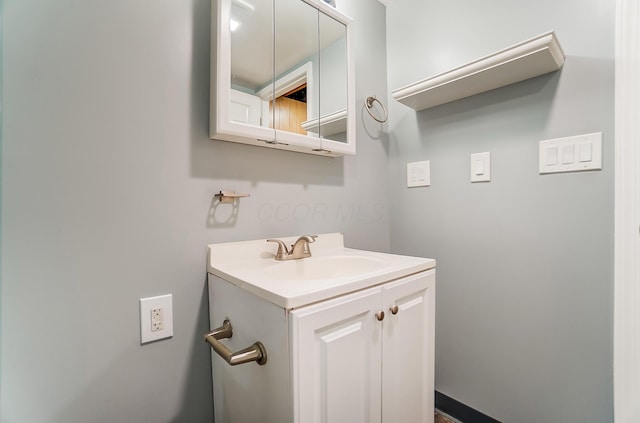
x: 156, y: 318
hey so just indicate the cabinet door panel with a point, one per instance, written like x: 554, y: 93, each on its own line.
x: 336, y: 355
x: 245, y: 108
x: 408, y: 349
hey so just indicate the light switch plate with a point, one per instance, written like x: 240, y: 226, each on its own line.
x: 571, y: 154
x: 156, y: 318
x: 419, y: 174
x: 481, y: 167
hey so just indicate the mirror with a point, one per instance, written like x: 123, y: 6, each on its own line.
x: 251, y: 27
x: 296, y: 66
x: 333, y: 79
x: 282, y: 76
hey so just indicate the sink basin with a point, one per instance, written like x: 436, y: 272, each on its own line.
x: 317, y: 268
x: 332, y: 269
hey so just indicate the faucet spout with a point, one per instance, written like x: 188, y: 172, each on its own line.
x: 299, y: 249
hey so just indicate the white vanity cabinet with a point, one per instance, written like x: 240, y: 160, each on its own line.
x: 354, y: 360
x: 348, y: 334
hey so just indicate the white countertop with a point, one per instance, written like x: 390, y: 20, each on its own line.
x: 332, y: 270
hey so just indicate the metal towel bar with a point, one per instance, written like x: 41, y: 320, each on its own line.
x: 256, y: 352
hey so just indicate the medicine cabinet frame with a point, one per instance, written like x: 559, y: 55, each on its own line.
x: 221, y: 127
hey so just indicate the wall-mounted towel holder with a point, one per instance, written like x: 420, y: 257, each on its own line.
x: 255, y: 352
x: 229, y: 196
x: 369, y: 105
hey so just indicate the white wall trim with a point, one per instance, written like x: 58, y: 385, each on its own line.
x: 627, y: 214
x: 301, y: 75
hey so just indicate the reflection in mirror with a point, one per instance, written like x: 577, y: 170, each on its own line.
x: 251, y: 23
x: 296, y: 51
x: 333, y: 79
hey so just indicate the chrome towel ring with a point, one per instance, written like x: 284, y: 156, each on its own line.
x: 369, y: 106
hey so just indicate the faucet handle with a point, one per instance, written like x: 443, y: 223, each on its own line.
x: 309, y: 238
x: 282, y: 249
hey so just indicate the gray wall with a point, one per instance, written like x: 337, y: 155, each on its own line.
x: 107, y: 184
x: 1, y: 104
x: 525, y: 262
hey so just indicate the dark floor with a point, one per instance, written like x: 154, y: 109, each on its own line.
x: 439, y: 418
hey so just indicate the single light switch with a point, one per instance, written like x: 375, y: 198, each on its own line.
x: 481, y: 167
x: 584, y: 152
x: 551, y: 156
x: 568, y: 154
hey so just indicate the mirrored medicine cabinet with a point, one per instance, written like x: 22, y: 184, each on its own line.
x: 282, y: 76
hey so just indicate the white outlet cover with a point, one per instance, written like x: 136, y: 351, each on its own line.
x: 419, y: 174
x: 164, y: 302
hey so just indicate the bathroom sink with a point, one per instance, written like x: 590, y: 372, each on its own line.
x: 323, y: 268
x: 331, y: 270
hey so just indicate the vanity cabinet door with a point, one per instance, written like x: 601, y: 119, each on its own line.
x: 408, y: 349
x: 351, y: 363
x: 336, y: 360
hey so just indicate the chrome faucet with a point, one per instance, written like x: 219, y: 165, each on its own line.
x: 299, y: 249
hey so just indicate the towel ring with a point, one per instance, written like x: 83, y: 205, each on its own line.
x: 369, y: 105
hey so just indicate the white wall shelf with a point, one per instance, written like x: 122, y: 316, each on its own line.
x: 528, y: 59
x: 331, y: 124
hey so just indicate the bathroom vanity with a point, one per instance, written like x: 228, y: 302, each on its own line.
x: 345, y: 335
